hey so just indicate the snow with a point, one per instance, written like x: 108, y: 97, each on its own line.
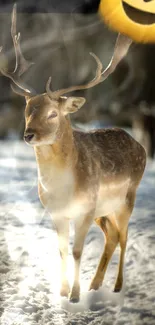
x: 30, y: 262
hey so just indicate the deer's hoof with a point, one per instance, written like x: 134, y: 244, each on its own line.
x: 65, y: 290
x: 118, y: 286
x: 74, y: 300
x: 75, y: 294
x: 117, y: 289
x: 95, y: 286
x: 64, y: 293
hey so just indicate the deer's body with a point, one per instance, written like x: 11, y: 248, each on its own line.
x: 83, y: 176
x: 89, y: 171
x: 86, y: 177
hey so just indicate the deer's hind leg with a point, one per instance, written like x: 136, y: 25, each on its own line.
x: 122, y: 219
x: 111, y: 240
x: 115, y: 228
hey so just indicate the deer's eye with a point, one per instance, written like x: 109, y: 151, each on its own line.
x: 52, y: 115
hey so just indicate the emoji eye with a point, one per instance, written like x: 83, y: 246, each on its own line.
x: 52, y: 115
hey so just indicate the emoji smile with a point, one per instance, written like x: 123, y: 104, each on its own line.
x: 138, y: 16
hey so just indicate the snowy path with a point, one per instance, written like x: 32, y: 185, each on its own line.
x: 29, y: 257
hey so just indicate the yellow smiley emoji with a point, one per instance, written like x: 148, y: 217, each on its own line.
x: 134, y: 18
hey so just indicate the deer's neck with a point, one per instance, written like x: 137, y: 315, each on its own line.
x: 60, y: 154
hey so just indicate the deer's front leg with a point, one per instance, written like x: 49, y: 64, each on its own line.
x: 62, y: 228
x: 81, y: 229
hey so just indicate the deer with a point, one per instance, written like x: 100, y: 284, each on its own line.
x: 85, y: 177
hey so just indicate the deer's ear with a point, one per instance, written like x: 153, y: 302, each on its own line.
x: 73, y: 104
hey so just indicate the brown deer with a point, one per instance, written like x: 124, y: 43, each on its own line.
x: 81, y: 176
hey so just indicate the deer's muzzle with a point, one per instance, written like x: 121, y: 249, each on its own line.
x: 28, y: 136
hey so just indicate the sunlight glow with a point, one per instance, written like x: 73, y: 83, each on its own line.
x: 39, y: 257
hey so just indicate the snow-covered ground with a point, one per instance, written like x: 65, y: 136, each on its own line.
x: 30, y: 263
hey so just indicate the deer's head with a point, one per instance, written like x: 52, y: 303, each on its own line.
x: 45, y: 114
x: 46, y: 118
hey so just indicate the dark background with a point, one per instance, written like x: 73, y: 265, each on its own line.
x: 53, y: 6
x: 58, y: 36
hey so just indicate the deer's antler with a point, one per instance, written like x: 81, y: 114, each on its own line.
x: 121, y: 48
x: 21, y: 64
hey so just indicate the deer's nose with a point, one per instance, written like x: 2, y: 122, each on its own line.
x: 29, y: 134
x: 28, y: 137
